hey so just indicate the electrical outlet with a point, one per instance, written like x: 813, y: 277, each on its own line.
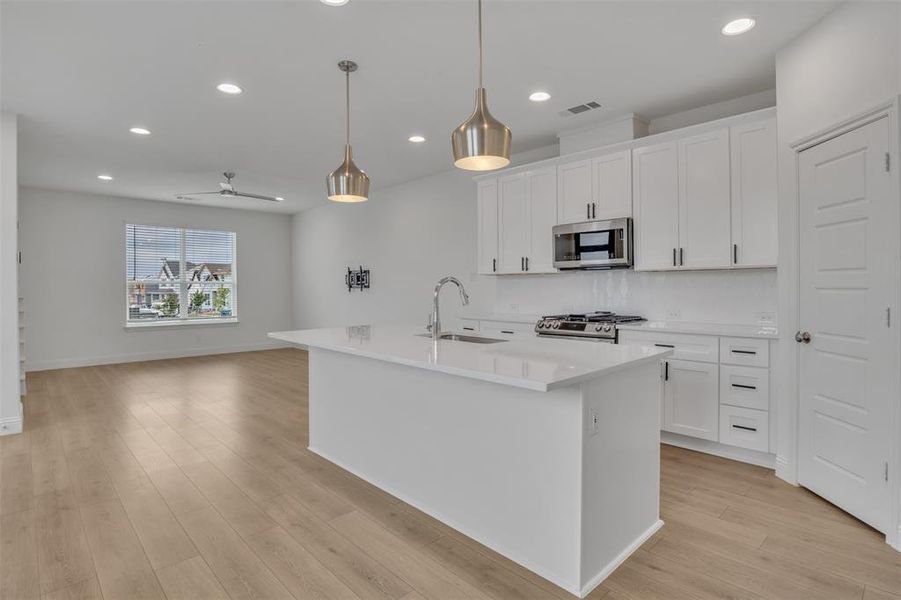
x: 594, y: 423
x: 766, y: 318
x: 673, y: 314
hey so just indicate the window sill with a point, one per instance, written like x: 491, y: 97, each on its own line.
x: 182, y: 323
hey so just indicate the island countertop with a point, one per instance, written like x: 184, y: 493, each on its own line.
x: 539, y: 364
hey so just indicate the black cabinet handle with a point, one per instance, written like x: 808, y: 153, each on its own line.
x: 587, y: 210
x: 594, y: 213
x: 745, y: 427
x: 744, y: 352
x: 522, y: 263
x: 527, y: 263
x: 666, y: 371
x: 469, y: 329
x: 734, y: 254
x: 745, y: 387
x: 506, y: 331
x: 494, y: 265
x: 674, y: 257
x: 664, y: 345
x: 681, y: 261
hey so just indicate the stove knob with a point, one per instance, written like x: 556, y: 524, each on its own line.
x: 556, y: 324
x: 541, y: 324
x: 597, y: 327
x: 607, y: 328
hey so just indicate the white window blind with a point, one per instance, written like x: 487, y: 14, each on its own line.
x: 178, y: 274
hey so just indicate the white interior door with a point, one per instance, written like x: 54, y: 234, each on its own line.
x: 849, y: 256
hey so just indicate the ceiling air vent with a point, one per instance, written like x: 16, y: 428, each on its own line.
x: 575, y: 110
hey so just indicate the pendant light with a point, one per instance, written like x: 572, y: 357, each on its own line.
x: 348, y: 183
x: 481, y: 142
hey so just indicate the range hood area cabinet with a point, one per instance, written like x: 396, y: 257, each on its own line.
x: 707, y: 201
x: 595, y: 189
x: 516, y: 214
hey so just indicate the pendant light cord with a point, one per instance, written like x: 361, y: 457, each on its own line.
x: 347, y: 104
x: 480, y: 44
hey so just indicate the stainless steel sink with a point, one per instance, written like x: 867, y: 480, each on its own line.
x: 458, y: 337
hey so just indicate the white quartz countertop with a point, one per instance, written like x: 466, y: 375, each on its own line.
x: 749, y: 331
x: 533, y: 363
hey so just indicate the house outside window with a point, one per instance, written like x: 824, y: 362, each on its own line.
x: 179, y: 275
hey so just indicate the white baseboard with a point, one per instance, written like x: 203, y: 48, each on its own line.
x: 753, y: 457
x: 10, y: 425
x: 68, y: 363
x: 620, y: 559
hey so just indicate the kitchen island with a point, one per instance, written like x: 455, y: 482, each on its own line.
x: 545, y: 450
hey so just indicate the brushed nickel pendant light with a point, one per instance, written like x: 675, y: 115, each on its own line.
x: 481, y: 142
x: 348, y: 183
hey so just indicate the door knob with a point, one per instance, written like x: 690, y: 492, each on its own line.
x: 802, y: 337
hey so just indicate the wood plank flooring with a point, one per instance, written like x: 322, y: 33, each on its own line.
x: 190, y: 478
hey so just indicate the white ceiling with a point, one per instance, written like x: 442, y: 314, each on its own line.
x: 81, y: 73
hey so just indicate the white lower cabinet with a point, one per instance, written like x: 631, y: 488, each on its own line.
x: 690, y: 402
x: 745, y: 427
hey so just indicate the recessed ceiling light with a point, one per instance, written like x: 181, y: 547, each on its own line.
x: 105, y: 177
x: 539, y: 96
x: 335, y: 2
x: 228, y: 88
x: 140, y: 131
x: 416, y: 139
x: 279, y: 198
x: 739, y: 26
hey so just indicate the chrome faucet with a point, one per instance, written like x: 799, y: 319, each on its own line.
x: 434, y: 319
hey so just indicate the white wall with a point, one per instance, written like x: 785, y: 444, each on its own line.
x: 411, y: 235
x: 844, y: 65
x: 10, y: 404
x: 73, y: 279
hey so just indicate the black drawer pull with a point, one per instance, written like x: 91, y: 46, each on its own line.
x: 664, y: 345
x: 744, y: 352
x: 469, y: 328
x: 746, y: 387
x: 745, y: 427
x: 506, y: 331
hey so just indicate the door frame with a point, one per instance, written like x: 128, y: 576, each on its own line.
x: 787, y: 461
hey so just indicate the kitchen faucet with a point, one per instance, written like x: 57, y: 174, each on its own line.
x: 434, y: 319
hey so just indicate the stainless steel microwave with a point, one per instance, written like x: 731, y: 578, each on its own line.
x: 593, y: 245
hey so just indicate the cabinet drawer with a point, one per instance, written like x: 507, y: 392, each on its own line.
x: 503, y: 329
x: 747, y: 352
x: 702, y: 348
x: 748, y: 387
x: 745, y: 427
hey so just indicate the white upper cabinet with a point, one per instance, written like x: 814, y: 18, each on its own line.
x: 542, y: 194
x: 574, y: 195
x: 754, y: 233
x: 487, y: 224
x: 514, y: 226
x: 612, y: 185
x: 704, y: 205
x: 656, y: 205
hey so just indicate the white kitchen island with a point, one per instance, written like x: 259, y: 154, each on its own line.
x: 545, y: 450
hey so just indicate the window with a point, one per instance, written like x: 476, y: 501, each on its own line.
x: 179, y: 275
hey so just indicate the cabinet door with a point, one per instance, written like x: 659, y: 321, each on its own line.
x: 486, y: 194
x: 705, y: 240
x: 612, y: 185
x: 542, y: 191
x: 513, y: 223
x: 690, y: 400
x: 574, y: 192
x: 655, y: 185
x: 754, y: 233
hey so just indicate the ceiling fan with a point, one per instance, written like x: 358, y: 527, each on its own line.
x: 227, y: 189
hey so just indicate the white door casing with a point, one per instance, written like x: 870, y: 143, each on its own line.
x: 848, y: 288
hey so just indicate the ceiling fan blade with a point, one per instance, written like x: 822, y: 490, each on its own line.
x: 256, y: 196
x: 196, y: 194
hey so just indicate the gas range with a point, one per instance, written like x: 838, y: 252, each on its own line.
x: 597, y: 326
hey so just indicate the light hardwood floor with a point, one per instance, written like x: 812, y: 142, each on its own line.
x: 190, y: 478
